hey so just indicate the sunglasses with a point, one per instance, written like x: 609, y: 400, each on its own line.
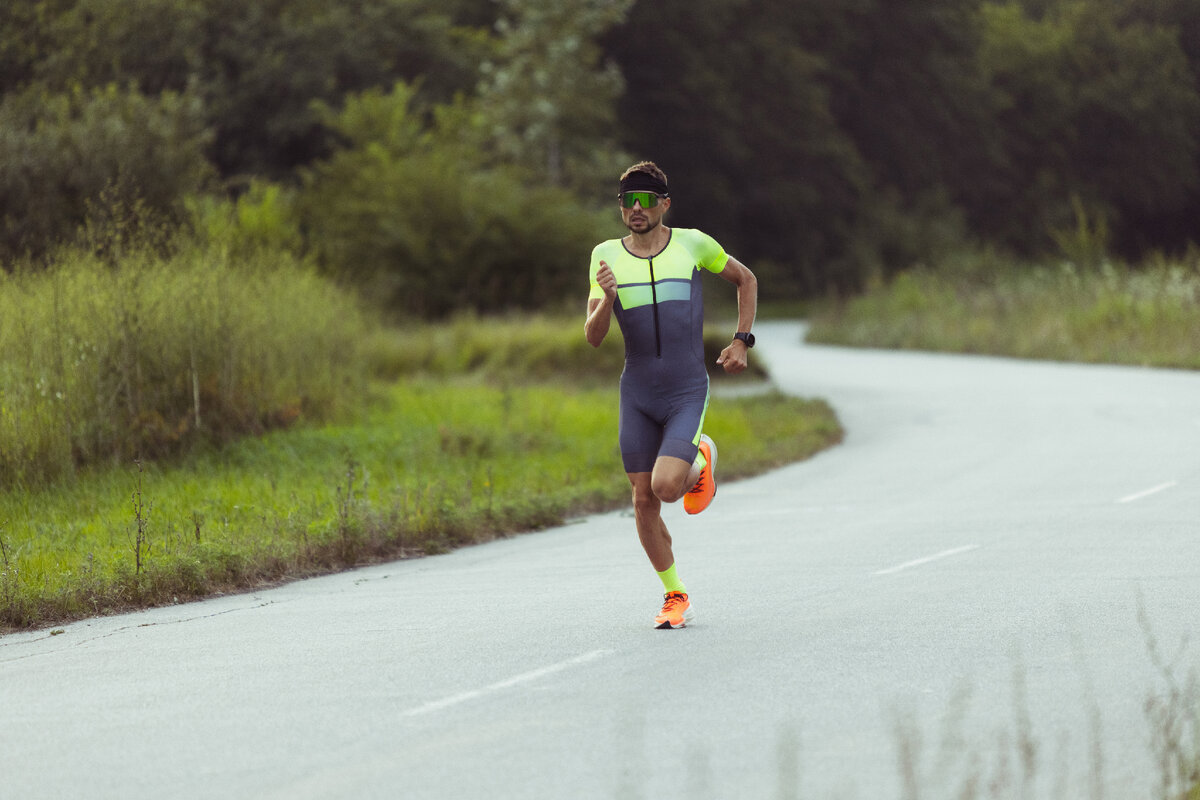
x: 644, y: 199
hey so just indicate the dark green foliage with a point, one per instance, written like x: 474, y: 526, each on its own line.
x: 1171, y: 228
x: 725, y: 97
x: 822, y: 142
x: 257, y: 66
x: 1090, y: 110
x: 840, y: 138
x: 902, y: 86
x: 417, y: 215
x: 547, y: 94
x: 266, y: 62
x: 60, y: 152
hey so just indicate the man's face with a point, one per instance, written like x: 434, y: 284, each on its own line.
x: 644, y: 220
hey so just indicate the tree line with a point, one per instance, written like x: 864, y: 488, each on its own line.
x: 464, y: 152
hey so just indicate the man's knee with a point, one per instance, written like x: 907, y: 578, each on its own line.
x: 668, y: 487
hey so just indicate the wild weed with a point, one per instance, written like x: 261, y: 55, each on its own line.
x: 1103, y: 313
x: 104, y: 363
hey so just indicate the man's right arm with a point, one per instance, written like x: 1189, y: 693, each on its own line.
x: 599, y: 315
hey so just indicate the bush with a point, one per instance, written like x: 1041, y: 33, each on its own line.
x: 60, y: 152
x: 102, y: 362
x: 979, y: 304
x: 415, y: 215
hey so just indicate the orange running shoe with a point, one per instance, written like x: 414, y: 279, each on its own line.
x: 676, y: 611
x: 700, y: 495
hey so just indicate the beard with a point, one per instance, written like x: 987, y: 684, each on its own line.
x: 643, y: 225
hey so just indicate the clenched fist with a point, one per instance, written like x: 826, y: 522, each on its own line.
x: 607, y: 281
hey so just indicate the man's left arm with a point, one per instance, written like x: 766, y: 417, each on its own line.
x: 733, y: 358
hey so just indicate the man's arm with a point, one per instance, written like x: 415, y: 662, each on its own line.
x: 599, y: 314
x: 733, y: 358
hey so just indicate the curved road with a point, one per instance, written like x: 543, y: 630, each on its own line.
x: 983, y: 586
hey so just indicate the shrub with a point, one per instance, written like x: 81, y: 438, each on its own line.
x: 60, y: 152
x: 141, y: 359
x: 414, y: 213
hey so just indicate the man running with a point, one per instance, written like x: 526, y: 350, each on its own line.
x: 651, y: 281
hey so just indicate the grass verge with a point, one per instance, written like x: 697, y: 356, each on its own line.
x: 1149, y: 316
x: 436, y: 464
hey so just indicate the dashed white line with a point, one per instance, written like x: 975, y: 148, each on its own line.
x: 524, y: 677
x: 1162, y: 487
x: 927, y: 559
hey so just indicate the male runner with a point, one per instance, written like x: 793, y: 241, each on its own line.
x: 651, y: 281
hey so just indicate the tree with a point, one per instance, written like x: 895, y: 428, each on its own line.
x: 257, y: 66
x: 549, y: 98
x: 724, y: 96
x: 414, y: 211
x: 59, y: 153
x: 1090, y: 111
x: 1174, y: 228
x: 905, y: 89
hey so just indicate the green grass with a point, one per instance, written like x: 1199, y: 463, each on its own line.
x: 981, y: 304
x: 436, y: 464
x: 101, y: 363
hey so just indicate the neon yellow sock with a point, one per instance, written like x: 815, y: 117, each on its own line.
x: 670, y: 580
x: 701, y: 462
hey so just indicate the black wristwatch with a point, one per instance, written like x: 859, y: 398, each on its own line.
x: 748, y: 338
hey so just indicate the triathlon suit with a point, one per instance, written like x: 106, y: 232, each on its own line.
x: 659, y: 306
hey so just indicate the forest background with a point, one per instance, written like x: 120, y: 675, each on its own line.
x: 454, y: 154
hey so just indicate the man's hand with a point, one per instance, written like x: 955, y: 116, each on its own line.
x: 733, y: 357
x: 607, y: 281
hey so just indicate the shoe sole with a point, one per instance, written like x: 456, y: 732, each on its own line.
x: 688, y: 616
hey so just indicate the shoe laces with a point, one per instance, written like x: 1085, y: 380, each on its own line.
x: 674, y: 599
x: 698, y: 488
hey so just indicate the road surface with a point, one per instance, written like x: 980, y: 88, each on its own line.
x: 983, y: 586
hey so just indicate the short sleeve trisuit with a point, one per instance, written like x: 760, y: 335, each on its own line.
x: 660, y: 309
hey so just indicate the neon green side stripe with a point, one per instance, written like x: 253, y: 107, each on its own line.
x: 703, y: 414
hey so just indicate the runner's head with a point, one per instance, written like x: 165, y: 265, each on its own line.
x: 644, y: 197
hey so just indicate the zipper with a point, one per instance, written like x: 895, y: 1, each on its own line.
x: 654, y: 301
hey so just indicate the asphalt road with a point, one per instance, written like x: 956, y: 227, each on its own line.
x: 972, y: 590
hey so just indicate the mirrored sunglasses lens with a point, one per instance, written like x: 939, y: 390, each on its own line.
x: 645, y: 199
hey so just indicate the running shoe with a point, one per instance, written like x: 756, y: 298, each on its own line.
x: 700, y: 495
x: 676, y: 611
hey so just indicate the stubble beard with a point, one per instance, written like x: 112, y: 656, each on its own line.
x: 650, y: 225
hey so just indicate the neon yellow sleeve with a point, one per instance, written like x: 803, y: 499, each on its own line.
x: 704, y: 249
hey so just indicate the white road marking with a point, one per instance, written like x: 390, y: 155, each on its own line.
x: 921, y: 561
x: 524, y: 677
x: 1162, y: 487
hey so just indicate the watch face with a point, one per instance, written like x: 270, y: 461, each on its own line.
x: 748, y: 338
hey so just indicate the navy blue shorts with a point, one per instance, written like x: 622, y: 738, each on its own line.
x: 660, y: 424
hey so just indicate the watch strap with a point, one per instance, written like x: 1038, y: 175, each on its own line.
x: 745, y: 337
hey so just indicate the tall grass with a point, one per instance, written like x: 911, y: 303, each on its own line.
x: 103, y: 363
x: 985, y: 304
